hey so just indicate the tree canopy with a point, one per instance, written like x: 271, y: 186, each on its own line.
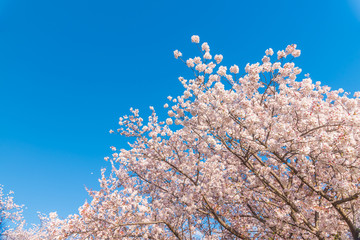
x: 267, y: 154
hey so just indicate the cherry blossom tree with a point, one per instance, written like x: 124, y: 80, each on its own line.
x: 13, y: 225
x: 263, y: 155
x: 10, y: 213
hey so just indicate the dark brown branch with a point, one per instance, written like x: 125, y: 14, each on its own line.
x: 344, y: 200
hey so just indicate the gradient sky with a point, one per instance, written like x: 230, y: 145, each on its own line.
x: 69, y: 69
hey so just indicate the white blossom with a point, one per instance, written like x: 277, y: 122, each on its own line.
x: 195, y: 39
x: 234, y: 69
x: 177, y: 54
x: 218, y: 58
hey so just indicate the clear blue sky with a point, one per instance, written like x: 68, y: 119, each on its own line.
x: 69, y: 69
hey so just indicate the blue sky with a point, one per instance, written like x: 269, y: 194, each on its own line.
x: 69, y: 69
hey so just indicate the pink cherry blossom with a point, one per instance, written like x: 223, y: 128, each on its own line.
x: 190, y: 62
x: 205, y: 47
x: 234, y: 69
x: 218, y: 58
x: 270, y: 155
x: 222, y: 71
x: 207, y: 55
x: 281, y: 54
x: 269, y: 52
x: 195, y: 39
x: 177, y: 54
x: 169, y: 121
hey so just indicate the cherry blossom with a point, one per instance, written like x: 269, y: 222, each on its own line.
x: 269, y: 51
x: 218, y: 58
x: 261, y: 156
x: 266, y: 155
x: 177, y: 54
x: 195, y: 39
x: 234, y: 69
